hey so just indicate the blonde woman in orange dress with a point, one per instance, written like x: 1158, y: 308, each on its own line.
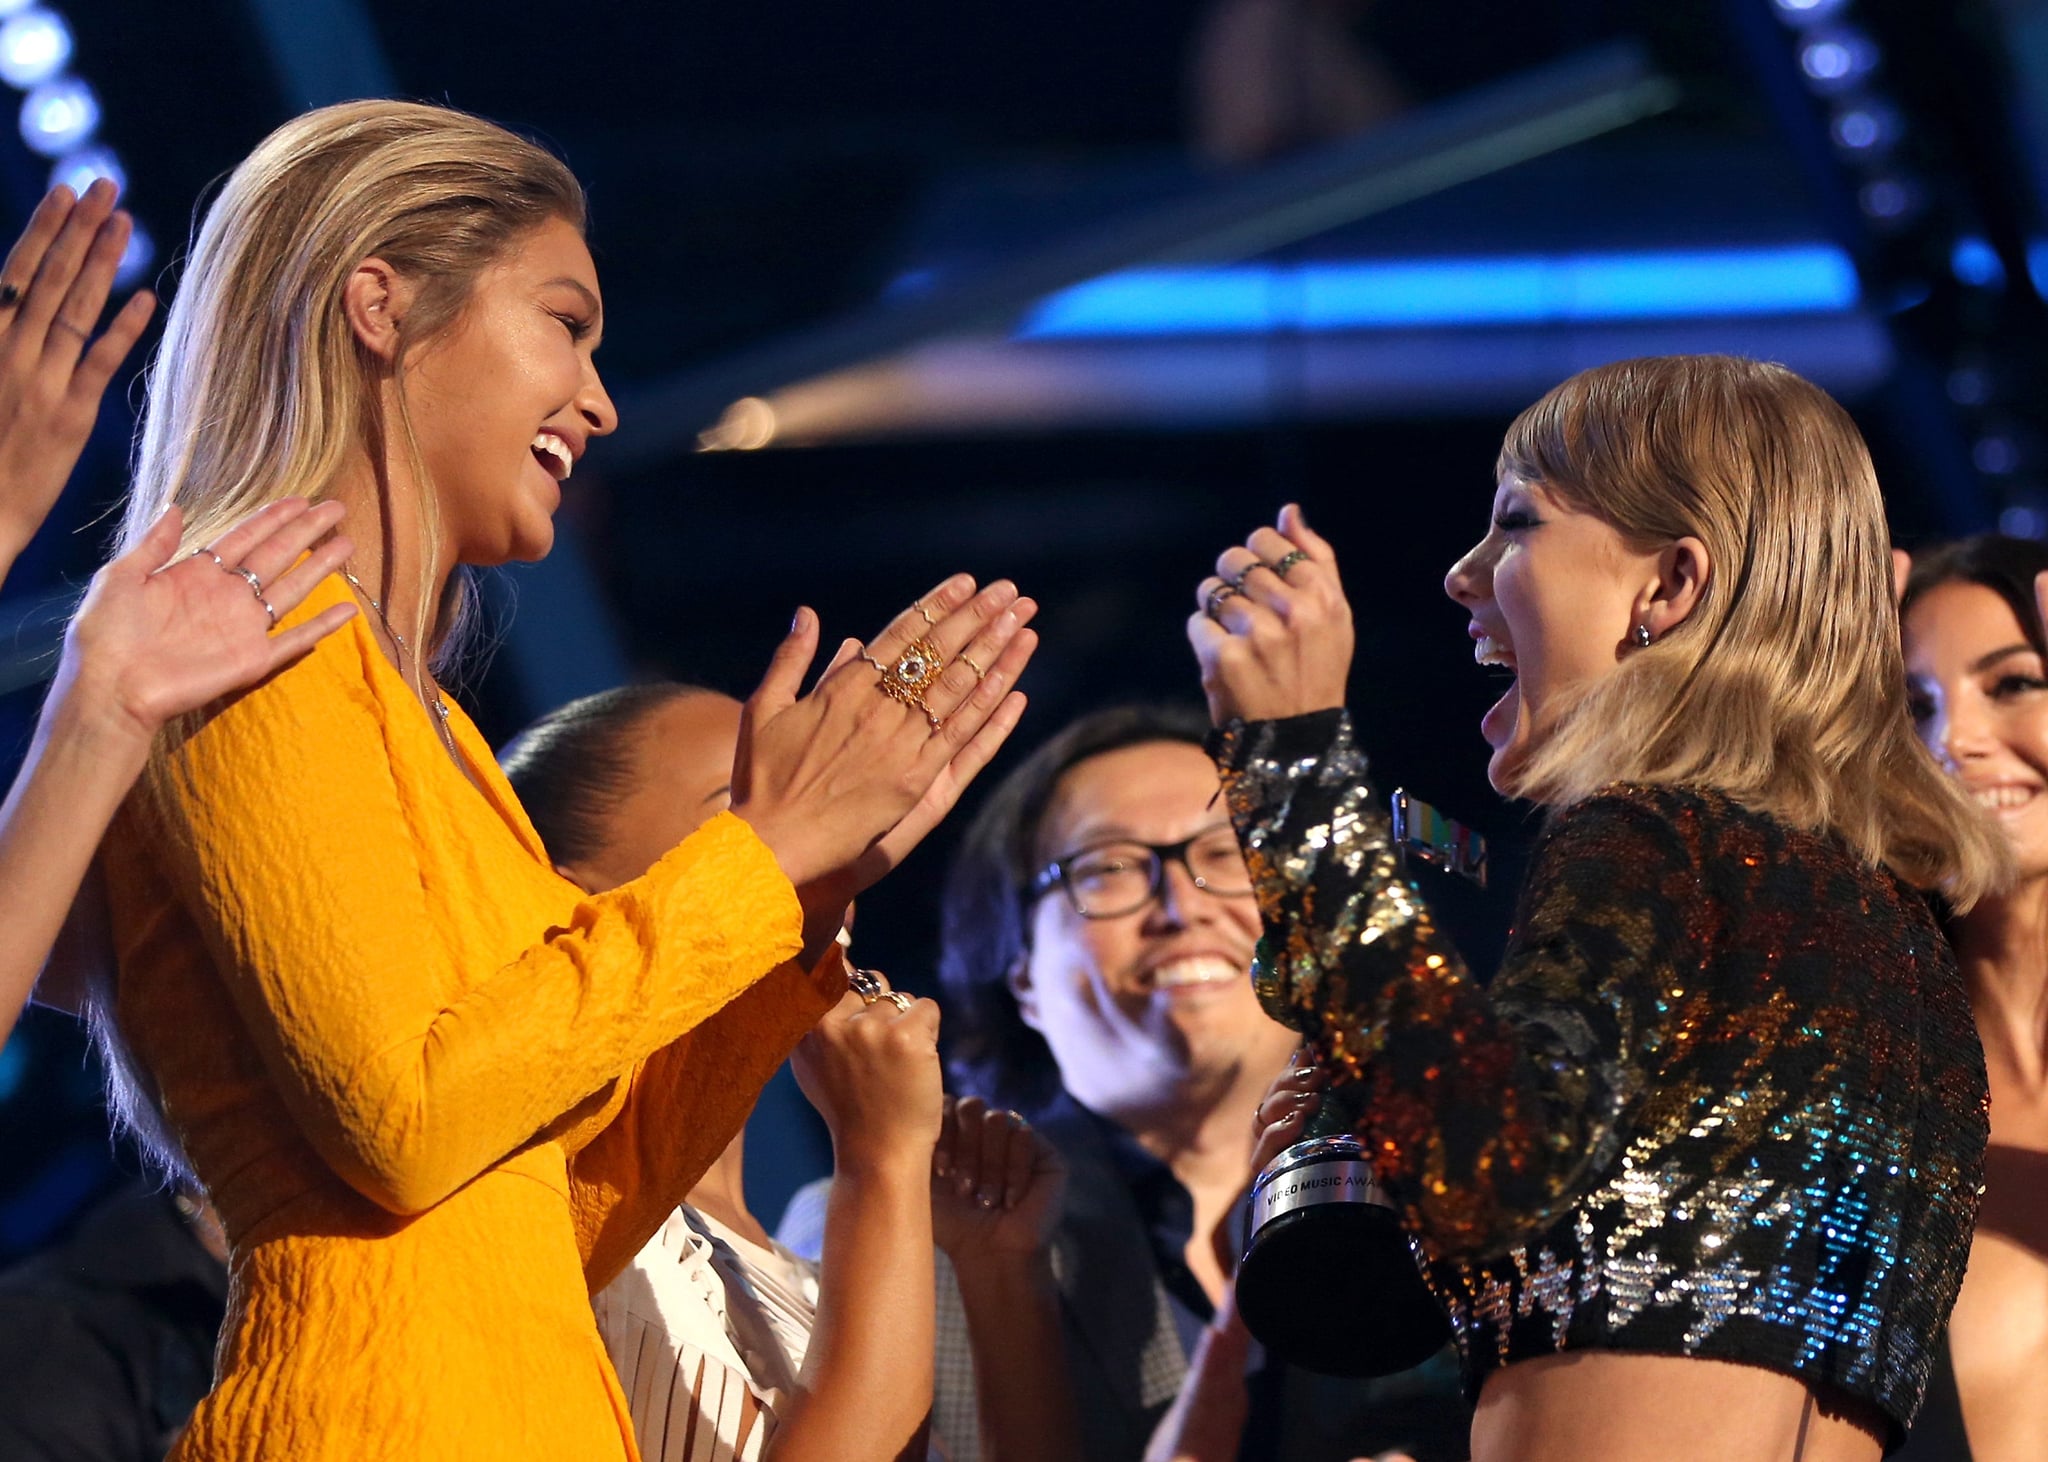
x: 437, y: 1092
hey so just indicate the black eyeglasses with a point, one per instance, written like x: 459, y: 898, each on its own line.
x: 1121, y: 876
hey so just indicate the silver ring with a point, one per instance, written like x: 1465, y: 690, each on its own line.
x: 1287, y: 561
x: 864, y: 984
x: 1216, y: 597
x: 268, y: 610
x: 255, y: 584
x: 204, y: 552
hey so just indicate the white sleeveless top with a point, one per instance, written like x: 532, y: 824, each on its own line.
x: 707, y: 1331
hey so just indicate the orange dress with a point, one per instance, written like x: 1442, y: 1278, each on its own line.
x: 438, y: 1094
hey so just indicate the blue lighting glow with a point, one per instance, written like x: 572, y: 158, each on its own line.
x: 59, y: 116
x: 135, y: 259
x: 1410, y: 294
x: 1836, y: 58
x: 77, y: 170
x: 1974, y: 262
x: 34, y: 46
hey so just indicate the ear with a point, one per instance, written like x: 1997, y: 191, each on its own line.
x: 375, y: 300
x: 1018, y: 980
x: 1683, y: 570
x: 581, y: 877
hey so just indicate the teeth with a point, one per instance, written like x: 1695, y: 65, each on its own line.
x: 1997, y: 798
x: 558, y: 449
x: 1490, y: 651
x: 1204, y: 969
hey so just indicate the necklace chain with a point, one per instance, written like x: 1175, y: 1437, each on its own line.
x: 438, y: 705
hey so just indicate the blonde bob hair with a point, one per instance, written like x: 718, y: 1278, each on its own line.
x: 260, y: 389
x: 1785, y: 687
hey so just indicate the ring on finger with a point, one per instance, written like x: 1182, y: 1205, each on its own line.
x: 204, y: 552
x: 10, y: 295
x: 1286, y: 562
x: 898, y: 999
x: 1214, y: 604
x: 968, y: 660
x: 925, y: 613
x: 63, y: 324
x: 913, y: 671
x: 864, y: 984
x: 255, y: 584
x: 268, y: 610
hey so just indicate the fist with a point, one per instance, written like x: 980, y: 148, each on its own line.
x: 1272, y: 630
x: 872, y: 1071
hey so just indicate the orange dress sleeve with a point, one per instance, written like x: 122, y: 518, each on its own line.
x: 409, y: 1066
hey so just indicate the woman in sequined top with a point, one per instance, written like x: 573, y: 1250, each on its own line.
x: 1977, y: 681
x: 1695, y: 1174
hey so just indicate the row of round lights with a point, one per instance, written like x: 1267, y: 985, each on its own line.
x: 60, y: 112
x: 1838, y: 61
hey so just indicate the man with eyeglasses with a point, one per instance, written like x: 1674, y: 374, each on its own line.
x: 1098, y: 933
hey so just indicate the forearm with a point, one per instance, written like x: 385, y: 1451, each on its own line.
x: 867, y: 1378
x: 78, y: 769
x: 1206, y: 1421
x: 1021, y: 1382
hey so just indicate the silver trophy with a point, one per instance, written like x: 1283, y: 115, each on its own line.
x: 1330, y: 1281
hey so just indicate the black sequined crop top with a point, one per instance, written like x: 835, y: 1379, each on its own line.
x: 1724, y: 1097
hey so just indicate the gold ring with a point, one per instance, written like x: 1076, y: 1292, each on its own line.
x: 913, y: 671
x: 968, y: 660
x: 925, y: 612
x: 898, y: 999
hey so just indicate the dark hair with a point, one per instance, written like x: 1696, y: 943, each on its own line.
x: 2005, y: 566
x: 573, y: 767
x: 986, y: 914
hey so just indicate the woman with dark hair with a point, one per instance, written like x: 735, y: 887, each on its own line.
x: 1977, y: 681
x: 731, y: 1348
x: 1695, y: 1174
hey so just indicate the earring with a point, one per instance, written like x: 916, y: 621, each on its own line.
x: 1641, y: 637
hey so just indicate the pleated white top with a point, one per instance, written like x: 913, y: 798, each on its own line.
x: 708, y: 1331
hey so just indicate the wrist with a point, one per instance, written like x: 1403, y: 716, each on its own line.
x: 87, y: 717
x: 1006, y: 1276
x: 900, y: 1170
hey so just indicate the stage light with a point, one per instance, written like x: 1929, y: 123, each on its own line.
x: 136, y: 259
x: 1974, y: 262
x: 34, y: 46
x: 1837, y: 58
x: 1995, y: 456
x: 59, y: 116
x: 1803, y: 13
x: 1866, y: 128
x: 1889, y: 200
x: 14, y: 7
x: 1969, y: 386
x: 77, y: 170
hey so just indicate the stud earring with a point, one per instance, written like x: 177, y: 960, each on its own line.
x: 1641, y: 637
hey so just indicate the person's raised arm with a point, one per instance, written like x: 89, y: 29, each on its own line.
x: 872, y: 1071
x: 997, y: 1185
x: 1485, y: 1110
x: 149, y: 642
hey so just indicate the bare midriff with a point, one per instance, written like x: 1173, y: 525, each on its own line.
x: 1653, y: 1408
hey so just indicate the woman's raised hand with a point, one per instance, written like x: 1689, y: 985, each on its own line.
x: 872, y: 1071
x: 155, y: 638
x: 996, y: 1184
x: 53, y: 286
x: 1273, y: 629
x: 841, y: 783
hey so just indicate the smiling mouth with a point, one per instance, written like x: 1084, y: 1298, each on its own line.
x: 1491, y: 653
x: 1194, y: 971
x: 2004, y: 799
x: 553, y: 455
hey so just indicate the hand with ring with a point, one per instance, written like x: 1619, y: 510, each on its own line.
x: 158, y: 636
x: 996, y: 1185
x: 871, y: 1068
x: 842, y: 782
x: 1273, y: 629
x: 53, y: 285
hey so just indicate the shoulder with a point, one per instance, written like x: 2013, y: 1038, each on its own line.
x: 1635, y: 823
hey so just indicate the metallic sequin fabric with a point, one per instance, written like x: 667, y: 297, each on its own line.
x: 1724, y: 1097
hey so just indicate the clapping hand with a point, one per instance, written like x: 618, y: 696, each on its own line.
x: 1273, y: 629
x: 842, y: 782
x: 53, y: 286
x: 156, y: 638
x: 996, y: 1184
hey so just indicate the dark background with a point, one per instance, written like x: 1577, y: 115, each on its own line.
x: 771, y: 171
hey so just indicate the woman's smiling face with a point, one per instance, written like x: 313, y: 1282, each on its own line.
x: 1979, y: 696
x: 1555, y: 594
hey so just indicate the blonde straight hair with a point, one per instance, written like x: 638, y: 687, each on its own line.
x: 1785, y: 687
x: 260, y: 389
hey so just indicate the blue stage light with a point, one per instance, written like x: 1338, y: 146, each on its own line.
x: 1866, y: 128
x: 1807, y: 12
x: 1836, y: 58
x: 77, y: 170
x: 34, y: 46
x: 59, y: 116
x: 136, y: 259
x: 1425, y: 293
x: 1889, y: 200
x: 2023, y: 521
x: 1974, y: 262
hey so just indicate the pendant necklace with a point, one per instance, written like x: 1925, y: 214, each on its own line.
x: 437, y: 704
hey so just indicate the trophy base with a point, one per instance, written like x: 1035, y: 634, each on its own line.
x: 1332, y: 1286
